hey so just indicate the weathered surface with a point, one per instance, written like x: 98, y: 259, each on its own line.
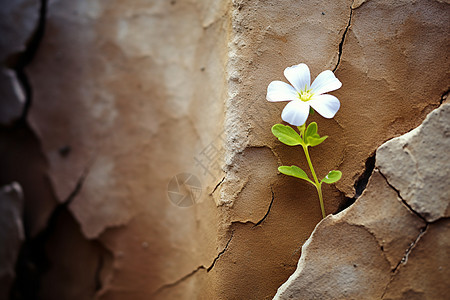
x: 11, y: 234
x: 361, y: 245
x: 12, y: 97
x: 409, y: 255
x: 386, y: 92
x: 78, y: 275
x: 417, y: 164
x: 426, y: 273
x: 21, y: 160
x: 394, y: 69
x: 127, y: 94
x: 18, y: 21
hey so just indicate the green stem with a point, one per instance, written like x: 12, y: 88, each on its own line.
x: 319, y: 191
x: 317, y: 184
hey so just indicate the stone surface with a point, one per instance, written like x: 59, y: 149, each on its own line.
x: 21, y: 160
x: 410, y: 254
x: 417, y: 164
x: 138, y: 99
x: 12, y: 97
x: 383, y: 214
x: 362, y: 244
x: 78, y: 275
x: 393, y: 69
x: 11, y: 234
x: 128, y: 94
x: 426, y: 273
x: 19, y: 20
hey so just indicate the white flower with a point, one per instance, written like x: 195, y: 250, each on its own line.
x: 303, y: 95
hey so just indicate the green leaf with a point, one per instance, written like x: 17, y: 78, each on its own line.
x: 311, y: 111
x: 314, y: 141
x: 312, y: 138
x: 287, y: 135
x: 310, y: 131
x: 332, y: 177
x: 295, y: 172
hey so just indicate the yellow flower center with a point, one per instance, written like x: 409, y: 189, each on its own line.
x: 305, y: 95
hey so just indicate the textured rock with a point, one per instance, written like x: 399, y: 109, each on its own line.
x: 361, y: 245
x: 410, y: 255
x: 394, y: 72
x: 382, y: 213
x: 137, y: 99
x: 417, y: 164
x: 75, y: 280
x: 127, y: 94
x: 19, y: 20
x: 12, y: 97
x: 21, y: 160
x: 11, y: 234
x: 426, y: 273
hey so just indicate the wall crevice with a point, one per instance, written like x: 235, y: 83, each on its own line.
x: 360, y: 184
x: 268, y: 209
x: 341, y: 44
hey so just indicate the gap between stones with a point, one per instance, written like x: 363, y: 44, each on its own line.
x: 32, y: 261
x: 360, y: 184
x: 19, y: 61
x: 444, y: 96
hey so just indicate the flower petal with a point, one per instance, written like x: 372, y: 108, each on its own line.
x: 280, y: 91
x: 298, y: 76
x: 326, y: 105
x: 325, y: 82
x: 295, y: 113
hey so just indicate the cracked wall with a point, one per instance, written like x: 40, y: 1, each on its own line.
x: 120, y: 96
x: 402, y: 247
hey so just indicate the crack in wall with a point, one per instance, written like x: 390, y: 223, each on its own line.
x: 403, y: 201
x: 444, y: 97
x: 19, y: 61
x: 217, y: 186
x: 220, y: 253
x: 202, y: 267
x: 341, y: 44
x: 404, y: 259
x: 268, y: 210
x: 78, y: 186
x: 33, y: 262
x: 98, y: 272
x: 170, y: 285
x: 360, y: 184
